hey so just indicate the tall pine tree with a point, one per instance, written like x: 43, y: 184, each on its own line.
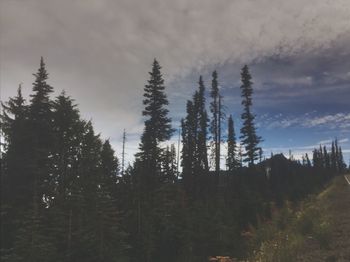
x: 215, y: 125
x: 157, y: 124
x: 248, y: 137
x: 202, y: 117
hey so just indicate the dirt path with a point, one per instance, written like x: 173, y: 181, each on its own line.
x: 337, y: 203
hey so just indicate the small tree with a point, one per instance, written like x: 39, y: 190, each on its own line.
x: 232, y: 161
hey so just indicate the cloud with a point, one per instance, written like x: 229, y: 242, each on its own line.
x: 100, y: 51
x: 340, y: 121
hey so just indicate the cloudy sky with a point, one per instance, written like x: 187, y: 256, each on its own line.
x: 100, y: 52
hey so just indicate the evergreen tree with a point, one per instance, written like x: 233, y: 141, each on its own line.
x: 333, y: 158
x: 248, y: 136
x: 14, y: 126
x: 341, y: 163
x: 169, y: 164
x: 202, y: 155
x: 157, y: 125
x: 109, y: 165
x: 215, y: 125
x: 68, y: 131
x: 308, y: 162
x: 189, y: 136
x: 32, y: 241
x: 232, y: 160
x: 16, y: 195
x: 260, y: 154
x: 40, y: 119
x: 194, y: 135
x: 327, y: 163
x: 110, y: 238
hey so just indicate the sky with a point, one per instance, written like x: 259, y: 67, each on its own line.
x: 100, y: 53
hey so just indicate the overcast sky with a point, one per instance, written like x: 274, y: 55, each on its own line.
x: 100, y: 52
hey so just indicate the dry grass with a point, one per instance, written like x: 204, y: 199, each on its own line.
x: 319, y: 230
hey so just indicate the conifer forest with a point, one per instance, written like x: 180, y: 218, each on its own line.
x: 174, y: 131
x: 66, y: 197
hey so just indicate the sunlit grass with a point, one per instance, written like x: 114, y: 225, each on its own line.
x: 289, y: 229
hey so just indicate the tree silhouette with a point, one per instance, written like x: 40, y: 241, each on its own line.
x: 248, y: 137
x: 232, y: 161
x: 157, y: 124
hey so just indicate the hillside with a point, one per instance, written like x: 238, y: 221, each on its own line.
x: 336, y: 201
x: 316, y: 230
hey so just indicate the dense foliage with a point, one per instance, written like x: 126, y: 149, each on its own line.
x: 64, y: 198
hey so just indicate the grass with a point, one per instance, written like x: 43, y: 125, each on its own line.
x: 291, y: 228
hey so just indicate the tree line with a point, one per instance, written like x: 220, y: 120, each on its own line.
x: 66, y: 197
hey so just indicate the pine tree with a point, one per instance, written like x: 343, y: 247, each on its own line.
x: 333, y: 158
x: 109, y: 165
x: 32, y: 242
x: 202, y: 155
x: 189, y: 136
x: 195, y: 134
x: 40, y: 118
x: 308, y: 162
x: 110, y: 238
x: 327, y: 163
x: 169, y: 164
x: 215, y: 126
x: 68, y: 131
x: 16, y: 194
x: 260, y: 154
x: 41, y: 108
x: 341, y: 163
x: 232, y: 160
x: 157, y: 125
x: 249, y: 138
x: 123, y: 153
x: 14, y: 126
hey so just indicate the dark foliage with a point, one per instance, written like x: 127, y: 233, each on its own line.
x: 63, y: 198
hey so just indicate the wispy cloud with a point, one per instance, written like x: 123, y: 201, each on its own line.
x: 331, y: 121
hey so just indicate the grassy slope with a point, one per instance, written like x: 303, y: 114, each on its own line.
x: 317, y: 230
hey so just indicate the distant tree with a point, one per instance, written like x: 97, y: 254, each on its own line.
x: 327, y: 163
x: 232, y: 161
x: 333, y: 158
x: 169, y: 164
x: 341, y: 164
x: 249, y: 138
x: 189, y: 136
x: 194, y: 134
x: 260, y: 154
x: 109, y: 166
x: 308, y: 162
x: 123, y: 153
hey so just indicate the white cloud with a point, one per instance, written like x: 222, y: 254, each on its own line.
x: 331, y: 121
x: 100, y: 51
